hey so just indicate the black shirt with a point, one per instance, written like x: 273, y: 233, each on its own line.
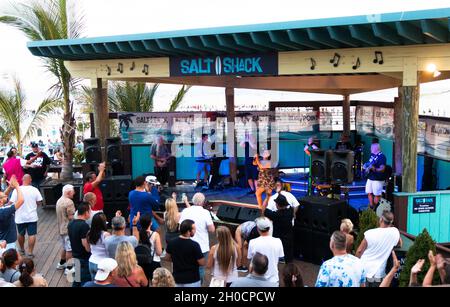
x: 185, y: 254
x: 40, y: 166
x: 282, y: 221
x: 77, y: 231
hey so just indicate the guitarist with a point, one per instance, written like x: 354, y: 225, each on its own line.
x: 160, y: 153
x: 374, y: 169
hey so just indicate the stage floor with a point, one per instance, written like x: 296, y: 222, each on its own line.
x: 299, y: 186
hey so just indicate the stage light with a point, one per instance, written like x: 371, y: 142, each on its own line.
x: 431, y: 68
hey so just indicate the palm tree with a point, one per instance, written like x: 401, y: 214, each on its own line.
x: 129, y: 97
x: 49, y: 20
x: 14, y: 114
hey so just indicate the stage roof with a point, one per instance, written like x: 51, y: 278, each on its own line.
x: 388, y: 29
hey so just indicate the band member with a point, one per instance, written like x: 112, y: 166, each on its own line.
x: 202, y: 152
x: 266, y: 182
x: 344, y: 143
x: 376, y: 177
x: 160, y: 153
x: 251, y: 171
x: 312, y: 145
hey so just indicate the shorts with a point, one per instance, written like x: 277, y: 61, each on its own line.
x: 374, y: 187
x: 201, y: 166
x: 65, y: 242
x: 27, y: 228
x: 251, y: 171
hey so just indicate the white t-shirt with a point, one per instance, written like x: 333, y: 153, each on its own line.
x: 27, y: 213
x: 273, y: 249
x: 202, y: 219
x: 380, y: 242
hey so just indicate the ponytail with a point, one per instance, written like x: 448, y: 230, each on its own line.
x: 146, y: 222
x: 26, y: 268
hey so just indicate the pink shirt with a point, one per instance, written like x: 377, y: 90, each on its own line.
x: 13, y: 166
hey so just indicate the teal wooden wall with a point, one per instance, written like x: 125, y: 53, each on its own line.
x: 437, y: 223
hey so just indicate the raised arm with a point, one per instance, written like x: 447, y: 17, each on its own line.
x: 15, y: 185
x: 387, y: 280
x: 101, y: 175
x: 428, y: 279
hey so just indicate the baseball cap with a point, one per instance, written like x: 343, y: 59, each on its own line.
x: 104, y: 268
x: 34, y: 145
x: 152, y: 180
x: 263, y: 224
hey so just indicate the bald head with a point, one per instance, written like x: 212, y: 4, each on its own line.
x: 26, y: 179
x: 90, y: 198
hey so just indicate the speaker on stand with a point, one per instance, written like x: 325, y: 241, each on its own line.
x: 114, y: 155
x: 320, y: 161
x: 341, y: 166
x: 92, y: 151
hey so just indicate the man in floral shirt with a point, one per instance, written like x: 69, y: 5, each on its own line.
x: 343, y: 270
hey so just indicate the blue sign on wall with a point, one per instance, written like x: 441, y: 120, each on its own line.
x: 255, y: 64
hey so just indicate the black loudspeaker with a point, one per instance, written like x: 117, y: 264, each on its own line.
x: 122, y: 187
x: 110, y: 209
x: 303, y: 244
x: 116, y: 188
x: 320, y: 247
x: 52, y: 193
x: 248, y: 214
x: 107, y: 188
x: 325, y: 214
x: 113, y: 153
x: 92, y: 150
x: 320, y: 165
x: 341, y: 169
x: 228, y: 213
x: 303, y: 217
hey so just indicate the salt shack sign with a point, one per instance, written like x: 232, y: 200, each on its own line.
x: 236, y: 65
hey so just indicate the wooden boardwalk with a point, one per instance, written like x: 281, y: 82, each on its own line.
x: 48, y: 249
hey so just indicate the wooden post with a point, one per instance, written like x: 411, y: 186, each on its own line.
x: 398, y: 107
x: 409, y: 127
x: 101, y: 112
x: 346, y: 114
x: 231, y: 136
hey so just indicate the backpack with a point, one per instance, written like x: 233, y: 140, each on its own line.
x: 144, y: 255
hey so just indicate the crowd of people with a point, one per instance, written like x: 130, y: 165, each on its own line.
x: 130, y: 253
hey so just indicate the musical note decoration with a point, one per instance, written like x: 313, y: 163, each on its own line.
x: 335, y: 60
x: 378, y: 57
x: 357, y: 64
x: 133, y: 65
x: 145, y: 69
x: 120, y: 67
x: 313, y: 64
x: 109, y: 70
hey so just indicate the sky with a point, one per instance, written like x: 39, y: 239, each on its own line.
x: 114, y: 17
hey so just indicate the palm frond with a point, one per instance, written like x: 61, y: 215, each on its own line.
x: 176, y: 102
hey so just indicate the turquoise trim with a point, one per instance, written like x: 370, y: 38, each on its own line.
x: 414, y: 27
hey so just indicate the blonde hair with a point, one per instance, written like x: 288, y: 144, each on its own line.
x: 126, y: 259
x: 171, y: 213
x: 163, y: 278
x: 346, y: 226
x: 226, y: 249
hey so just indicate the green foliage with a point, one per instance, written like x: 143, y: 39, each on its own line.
x: 368, y: 219
x: 176, y: 102
x: 131, y: 96
x: 78, y: 156
x: 15, y: 119
x: 419, y: 250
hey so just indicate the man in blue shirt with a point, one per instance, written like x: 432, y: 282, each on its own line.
x: 8, y: 231
x: 375, y: 182
x: 141, y: 200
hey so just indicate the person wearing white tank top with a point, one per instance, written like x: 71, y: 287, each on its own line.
x: 96, y: 238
